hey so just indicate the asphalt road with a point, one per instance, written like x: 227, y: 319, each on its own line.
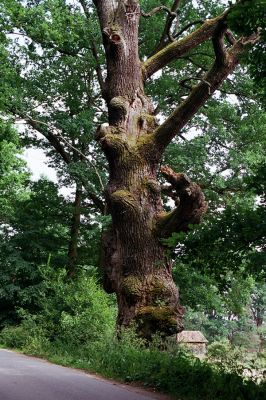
x: 29, y: 378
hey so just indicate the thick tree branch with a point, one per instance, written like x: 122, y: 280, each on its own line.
x: 179, y: 48
x: 230, y: 37
x: 224, y: 64
x: 218, y: 43
x: 190, y: 201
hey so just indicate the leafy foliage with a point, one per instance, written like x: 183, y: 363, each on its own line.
x: 13, y: 172
x: 246, y: 15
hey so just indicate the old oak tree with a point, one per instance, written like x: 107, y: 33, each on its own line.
x: 136, y: 262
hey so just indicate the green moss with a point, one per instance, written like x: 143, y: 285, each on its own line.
x: 152, y: 319
x: 160, y: 313
x: 159, y: 287
x: 148, y: 120
x: 152, y: 185
x: 122, y: 194
x: 132, y: 287
x: 146, y: 140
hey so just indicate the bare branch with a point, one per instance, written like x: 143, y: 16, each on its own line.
x: 172, y: 15
x: 53, y: 140
x: 57, y: 145
x: 166, y: 36
x: 230, y: 37
x: 58, y: 133
x: 203, y: 68
x: 195, y: 78
x: 169, y: 21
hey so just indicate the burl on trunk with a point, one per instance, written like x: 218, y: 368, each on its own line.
x: 136, y: 265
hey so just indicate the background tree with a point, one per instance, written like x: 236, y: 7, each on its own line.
x: 34, y: 228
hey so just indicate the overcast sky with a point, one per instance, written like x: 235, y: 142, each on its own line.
x: 37, y: 164
x: 36, y: 161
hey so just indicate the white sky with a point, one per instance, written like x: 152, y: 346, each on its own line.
x: 37, y: 164
x: 36, y: 161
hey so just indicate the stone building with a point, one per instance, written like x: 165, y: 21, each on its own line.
x: 195, y: 340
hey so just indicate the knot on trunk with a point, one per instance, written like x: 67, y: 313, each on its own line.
x: 114, y: 35
x: 132, y: 288
x: 112, y: 140
x: 118, y: 110
x: 102, y: 131
x: 124, y: 203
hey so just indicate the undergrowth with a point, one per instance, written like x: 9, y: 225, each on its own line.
x: 75, y: 327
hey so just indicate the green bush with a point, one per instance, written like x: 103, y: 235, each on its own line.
x: 28, y: 336
x: 14, y: 337
x: 88, y: 314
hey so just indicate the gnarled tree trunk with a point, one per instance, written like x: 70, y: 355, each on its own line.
x: 136, y: 264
